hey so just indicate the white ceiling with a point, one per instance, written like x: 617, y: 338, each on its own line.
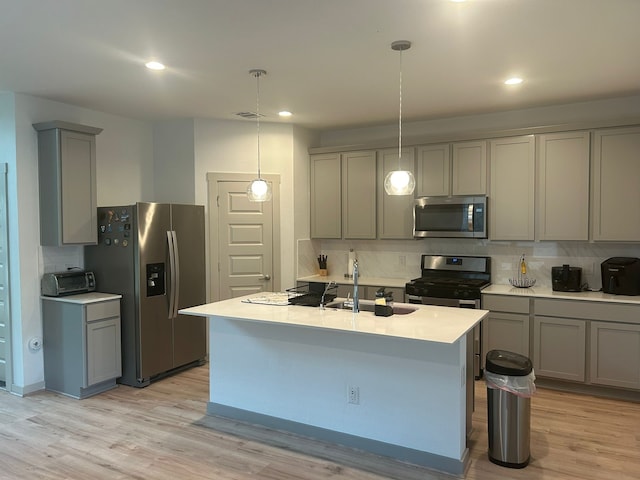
x: 328, y: 61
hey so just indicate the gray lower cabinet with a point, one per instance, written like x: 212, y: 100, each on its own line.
x: 507, y: 325
x: 615, y: 354
x: 82, y: 346
x: 559, y: 348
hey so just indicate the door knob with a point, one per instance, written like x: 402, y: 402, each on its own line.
x: 266, y: 277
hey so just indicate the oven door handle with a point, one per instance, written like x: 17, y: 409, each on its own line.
x: 467, y: 303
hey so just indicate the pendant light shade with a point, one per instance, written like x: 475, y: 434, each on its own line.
x: 400, y: 182
x: 259, y: 190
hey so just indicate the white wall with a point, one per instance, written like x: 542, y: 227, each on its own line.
x: 125, y: 175
x: 174, y: 161
x: 231, y: 147
x: 600, y: 110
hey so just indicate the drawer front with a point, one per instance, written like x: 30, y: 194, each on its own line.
x: 608, y: 312
x: 505, y: 303
x: 101, y: 310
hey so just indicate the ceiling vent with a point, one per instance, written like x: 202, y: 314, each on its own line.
x: 249, y: 115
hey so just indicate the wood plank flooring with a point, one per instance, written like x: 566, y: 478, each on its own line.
x: 162, y: 432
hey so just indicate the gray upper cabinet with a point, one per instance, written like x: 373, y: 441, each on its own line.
x: 511, y: 201
x: 616, y: 185
x: 469, y: 168
x: 67, y: 183
x: 452, y: 169
x: 359, y: 195
x: 563, y: 179
x: 326, y: 196
x: 434, y: 171
x: 395, y: 212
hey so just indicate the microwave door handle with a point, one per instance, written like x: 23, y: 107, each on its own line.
x: 470, y: 217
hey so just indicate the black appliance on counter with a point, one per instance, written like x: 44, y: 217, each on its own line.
x: 621, y: 276
x: 566, y: 279
x: 453, y: 281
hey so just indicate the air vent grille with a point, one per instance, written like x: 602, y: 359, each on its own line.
x: 249, y: 115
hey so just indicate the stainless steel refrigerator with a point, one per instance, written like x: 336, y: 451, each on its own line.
x: 153, y: 255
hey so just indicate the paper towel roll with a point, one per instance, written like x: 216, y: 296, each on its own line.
x: 352, y: 257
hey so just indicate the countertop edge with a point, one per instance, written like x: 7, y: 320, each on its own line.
x: 546, y: 292
x: 84, y: 298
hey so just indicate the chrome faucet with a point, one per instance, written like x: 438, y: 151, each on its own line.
x: 356, y: 303
x: 322, y: 304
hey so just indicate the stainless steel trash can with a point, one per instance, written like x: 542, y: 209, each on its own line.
x: 509, y: 413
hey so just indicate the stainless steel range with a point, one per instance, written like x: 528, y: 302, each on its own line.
x: 453, y: 281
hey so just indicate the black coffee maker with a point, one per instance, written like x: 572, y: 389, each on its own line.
x: 566, y: 279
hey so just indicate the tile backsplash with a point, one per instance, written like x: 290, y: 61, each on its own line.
x: 401, y: 258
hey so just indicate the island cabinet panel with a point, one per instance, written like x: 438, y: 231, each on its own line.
x: 563, y: 182
x: 67, y: 183
x: 615, y: 355
x: 507, y: 326
x: 326, y: 196
x: 511, y: 199
x: 616, y: 185
x: 395, y: 212
x: 359, y: 195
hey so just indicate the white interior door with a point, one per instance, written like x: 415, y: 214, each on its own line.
x: 245, y: 242
x: 5, y: 336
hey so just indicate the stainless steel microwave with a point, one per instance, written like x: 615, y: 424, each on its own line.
x: 450, y: 217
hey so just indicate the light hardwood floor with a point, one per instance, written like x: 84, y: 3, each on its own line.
x: 162, y: 432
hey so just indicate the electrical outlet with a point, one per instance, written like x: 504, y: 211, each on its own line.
x: 353, y: 395
x: 402, y: 260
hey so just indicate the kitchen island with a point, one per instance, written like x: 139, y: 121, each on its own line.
x: 395, y: 386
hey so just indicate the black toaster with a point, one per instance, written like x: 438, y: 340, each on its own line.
x: 621, y: 276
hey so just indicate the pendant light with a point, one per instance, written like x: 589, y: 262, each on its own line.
x: 259, y: 190
x: 400, y: 182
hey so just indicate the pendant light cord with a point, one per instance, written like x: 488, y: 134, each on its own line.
x: 258, y: 116
x: 400, y: 117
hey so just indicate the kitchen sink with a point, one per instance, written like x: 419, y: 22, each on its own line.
x: 368, y: 306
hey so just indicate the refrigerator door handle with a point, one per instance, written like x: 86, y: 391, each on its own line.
x: 176, y: 295
x: 172, y: 273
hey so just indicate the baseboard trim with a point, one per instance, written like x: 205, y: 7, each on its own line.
x: 27, y: 389
x: 383, y: 449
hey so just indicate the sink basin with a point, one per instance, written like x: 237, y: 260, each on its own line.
x: 368, y: 306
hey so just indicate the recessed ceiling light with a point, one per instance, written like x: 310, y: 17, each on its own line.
x: 513, y: 81
x: 153, y: 65
x: 285, y: 113
x: 457, y: 1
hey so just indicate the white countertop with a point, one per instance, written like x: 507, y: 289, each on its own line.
x: 84, y: 298
x: 546, y: 292
x: 427, y: 323
x: 368, y: 281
